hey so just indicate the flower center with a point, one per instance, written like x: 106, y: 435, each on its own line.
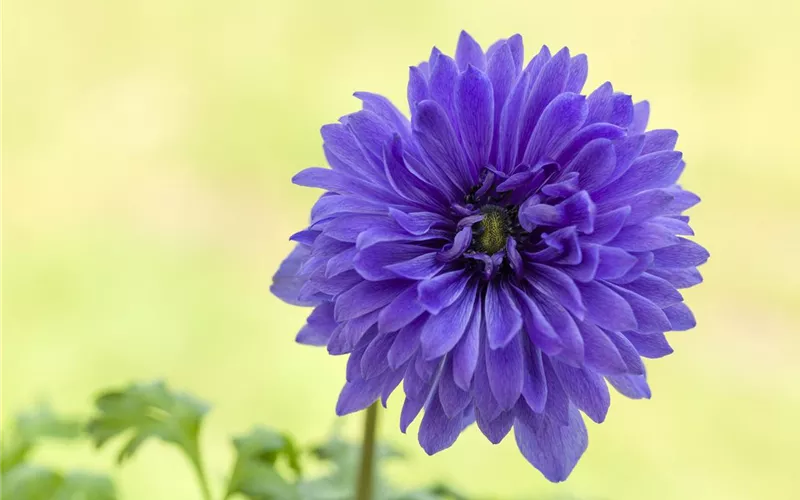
x: 492, y: 232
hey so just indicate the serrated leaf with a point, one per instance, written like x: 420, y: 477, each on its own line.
x: 254, y: 474
x: 146, y: 411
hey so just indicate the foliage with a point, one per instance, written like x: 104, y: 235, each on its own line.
x: 268, y: 465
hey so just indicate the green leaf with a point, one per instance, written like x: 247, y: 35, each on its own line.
x: 31, y: 482
x: 345, y: 459
x: 31, y: 427
x: 44, y: 423
x: 254, y: 474
x: 85, y: 486
x: 145, y: 411
x: 14, y: 453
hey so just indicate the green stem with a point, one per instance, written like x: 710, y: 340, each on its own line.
x: 197, y: 465
x: 366, y: 473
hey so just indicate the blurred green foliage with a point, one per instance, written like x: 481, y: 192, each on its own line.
x: 267, y: 464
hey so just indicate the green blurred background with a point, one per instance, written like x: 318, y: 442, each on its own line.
x: 148, y: 147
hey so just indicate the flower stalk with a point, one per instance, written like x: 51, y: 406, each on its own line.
x: 366, y: 472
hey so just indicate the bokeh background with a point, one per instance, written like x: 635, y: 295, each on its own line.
x: 148, y: 147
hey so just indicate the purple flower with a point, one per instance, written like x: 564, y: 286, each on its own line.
x: 504, y: 254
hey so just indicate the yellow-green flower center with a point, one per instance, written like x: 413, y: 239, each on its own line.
x: 493, y: 230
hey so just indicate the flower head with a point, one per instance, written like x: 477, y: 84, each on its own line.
x: 504, y: 254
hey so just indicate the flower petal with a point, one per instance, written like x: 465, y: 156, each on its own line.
x: 586, y: 389
x: 366, y: 297
x: 563, y: 116
x: 504, y: 369
x: 595, y: 163
x: 466, y: 352
x: 404, y: 309
x: 474, y: 103
x: 437, y: 432
x: 552, y: 448
x: 437, y: 293
x: 606, y: 308
x: 469, y: 52
x: 501, y: 314
x: 442, y: 331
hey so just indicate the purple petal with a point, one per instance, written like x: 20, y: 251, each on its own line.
x: 627, y: 351
x: 606, y: 308
x: 586, y: 269
x: 496, y: 429
x: 404, y: 309
x: 507, y: 135
x: 546, y: 88
x: 417, y: 223
x: 465, y: 354
x: 373, y: 361
x: 586, y: 135
x: 641, y: 114
x: 607, y: 226
x: 437, y: 432
x: 686, y: 253
x: 502, y: 73
x: 504, y: 369
x: 560, y: 286
x: 614, y: 263
x: 595, y: 163
x: 469, y: 52
x: 474, y: 103
x: 615, y: 108
x: 652, y: 345
x: 552, y: 448
x: 286, y: 284
x: 578, y: 71
x: 632, y: 386
x: 501, y: 314
x: 657, y: 290
x: 563, y: 116
x: 437, y: 293
x: 644, y: 237
x: 679, y: 278
x: 650, y: 171
x: 649, y: 317
x: 602, y: 355
x: 460, y: 244
x: 405, y: 344
x: 373, y: 262
x: 417, y: 87
x: 564, y: 326
x: 423, y: 267
x: 680, y: 317
x: 442, y: 331
x: 384, y: 108
x: 453, y: 399
x: 435, y: 134
x: 366, y: 297
x: 357, y: 395
x: 534, y: 385
x: 540, y: 332
x: 659, y: 140
x: 411, y: 409
x: 586, y: 389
